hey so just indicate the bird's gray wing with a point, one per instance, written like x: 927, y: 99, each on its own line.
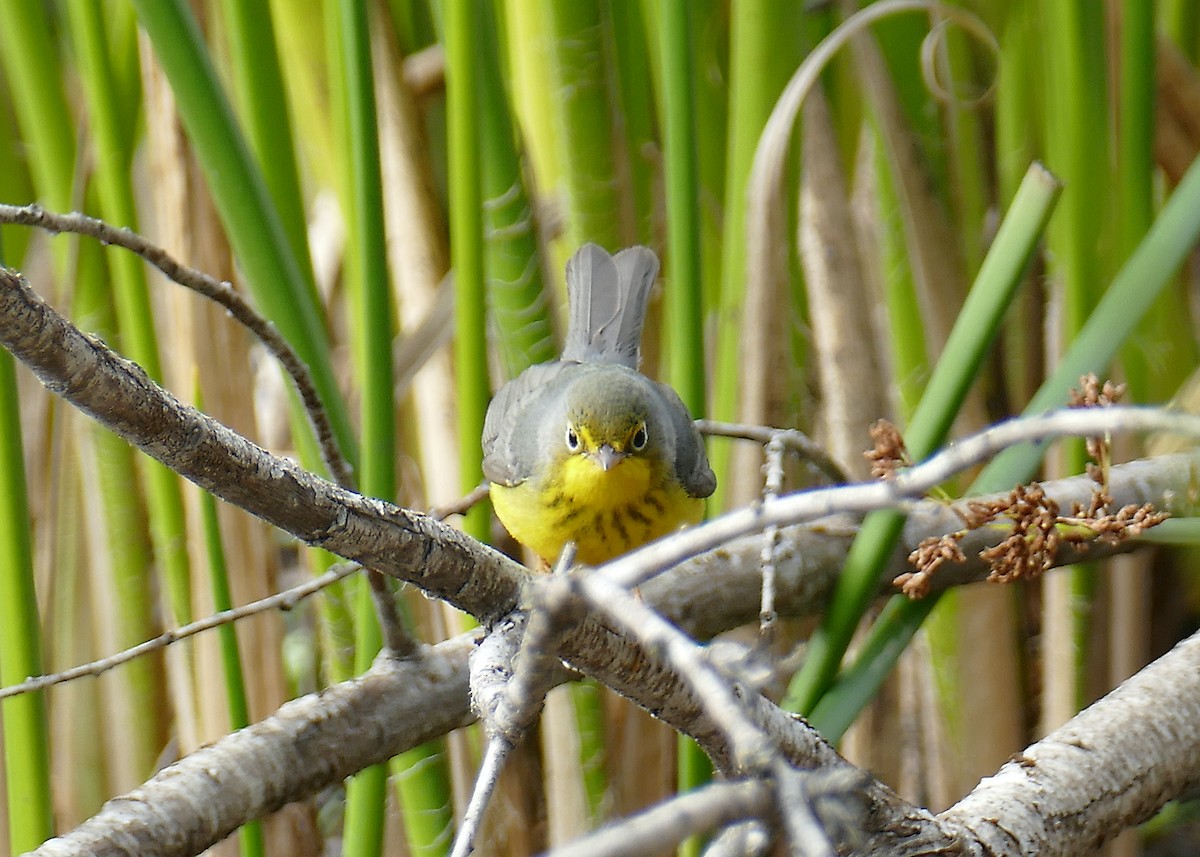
x: 510, y: 428
x: 691, y: 461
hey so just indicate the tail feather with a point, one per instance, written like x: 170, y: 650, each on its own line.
x: 607, y: 297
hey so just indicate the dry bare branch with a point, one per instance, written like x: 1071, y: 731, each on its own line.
x: 307, y: 745
x: 450, y: 566
x: 1112, y: 766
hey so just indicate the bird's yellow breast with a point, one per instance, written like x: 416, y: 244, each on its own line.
x: 605, y: 512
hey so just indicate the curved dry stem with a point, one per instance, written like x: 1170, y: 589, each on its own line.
x: 764, y: 222
x: 215, y: 290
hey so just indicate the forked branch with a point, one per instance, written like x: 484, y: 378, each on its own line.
x: 447, y: 565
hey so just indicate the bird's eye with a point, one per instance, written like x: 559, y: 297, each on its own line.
x: 640, y: 438
x: 572, y: 439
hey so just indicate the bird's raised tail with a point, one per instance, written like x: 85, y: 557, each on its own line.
x: 606, y: 297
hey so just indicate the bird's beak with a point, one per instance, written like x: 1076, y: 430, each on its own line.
x: 607, y: 457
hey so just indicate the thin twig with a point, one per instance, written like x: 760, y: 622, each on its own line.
x: 793, y: 439
x: 460, y: 506
x: 662, y: 827
x: 285, y: 600
x: 494, y: 757
x: 805, y: 835
x: 213, y: 289
x: 772, y: 485
x: 396, y: 637
x: 512, y: 670
x: 750, y: 747
x: 744, y: 839
x: 637, y: 567
x: 536, y: 667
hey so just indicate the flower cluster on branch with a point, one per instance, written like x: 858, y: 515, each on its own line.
x: 1038, y: 529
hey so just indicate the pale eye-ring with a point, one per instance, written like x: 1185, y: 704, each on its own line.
x: 640, y: 438
x: 572, y: 439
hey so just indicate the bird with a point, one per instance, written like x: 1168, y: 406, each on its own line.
x: 586, y: 449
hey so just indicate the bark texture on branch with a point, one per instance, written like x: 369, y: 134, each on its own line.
x: 1110, y: 767
x: 318, y: 740
x: 436, y: 558
x: 308, y: 744
x: 441, y: 560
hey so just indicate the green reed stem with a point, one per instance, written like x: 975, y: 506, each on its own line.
x: 250, y: 836
x: 26, y: 740
x: 251, y: 220
x: 1148, y: 271
x: 961, y: 358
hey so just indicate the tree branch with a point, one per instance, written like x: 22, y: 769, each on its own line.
x: 116, y: 392
x: 379, y: 699
x: 1112, y: 766
x: 219, y: 292
x: 276, y: 761
x: 308, y: 744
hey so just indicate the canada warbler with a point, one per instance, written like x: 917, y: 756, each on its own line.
x: 587, y: 449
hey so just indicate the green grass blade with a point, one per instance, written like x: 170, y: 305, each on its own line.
x: 581, y: 133
x: 368, y: 248
x: 693, y: 769
x: 1076, y: 149
x: 15, y: 182
x: 26, y: 735
x: 466, y: 249
x: 1176, y: 531
x: 251, y: 834
x: 366, y: 794
x: 264, y: 113
x: 423, y: 783
x: 306, y: 64
x: 26, y: 743
x: 684, y: 298
x: 760, y: 64
x: 1076, y: 135
x: 527, y: 45
x: 578, y: 83
x: 1135, y: 124
x: 251, y: 220
x: 981, y: 313
x: 26, y: 47
x: 899, y: 39
x: 132, y: 298
x: 141, y: 732
x: 587, y: 700
x: 1128, y: 298
x: 1017, y: 94
x: 969, y: 189
x: 1018, y: 97
x: 48, y: 138
x: 890, y: 634
x: 126, y: 65
x: 907, y: 344
x: 710, y: 100
x: 638, y: 138
x: 1131, y: 294
x: 961, y: 358
x: 514, y: 276
x: 413, y: 23
x: 1180, y: 22
x: 1162, y: 351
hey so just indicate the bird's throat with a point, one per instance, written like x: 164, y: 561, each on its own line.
x: 586, y: 483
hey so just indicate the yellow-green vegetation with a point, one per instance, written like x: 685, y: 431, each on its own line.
x: 976, y: 204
